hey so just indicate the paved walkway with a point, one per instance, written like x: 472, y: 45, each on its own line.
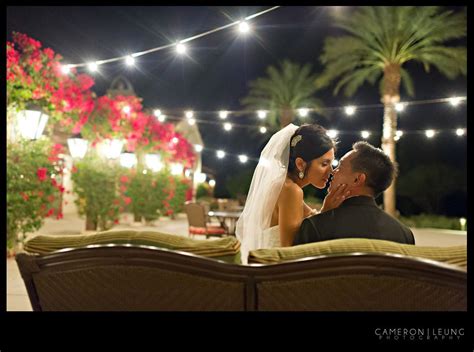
x: 17, y: 298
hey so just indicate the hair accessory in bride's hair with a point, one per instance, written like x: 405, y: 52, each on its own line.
x: 295, y: 140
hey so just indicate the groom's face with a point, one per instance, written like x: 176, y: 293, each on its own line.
x: 343, y: 174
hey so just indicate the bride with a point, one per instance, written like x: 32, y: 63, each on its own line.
x: 293, y: 158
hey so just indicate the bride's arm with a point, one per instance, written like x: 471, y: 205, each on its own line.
x: 290, y: 213
x: 308, y: 211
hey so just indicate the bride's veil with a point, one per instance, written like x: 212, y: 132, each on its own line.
x: 265, y: 188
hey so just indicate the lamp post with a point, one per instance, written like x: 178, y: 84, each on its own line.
x: 31, y: 122
x: 153, y: 162
x: 128, y: 160
x: 112, y: 148
x: 77, y: 146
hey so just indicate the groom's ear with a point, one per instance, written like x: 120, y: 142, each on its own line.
x: 359, y: 180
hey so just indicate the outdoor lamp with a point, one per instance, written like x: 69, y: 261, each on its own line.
x: 462, y: 222
x: 128, y: 160
x: 31, y: 122
x: 112, y: 148
x: 177, y: 169
x: 77, y: 146
x: 153, y: 162
x: 200, y: 177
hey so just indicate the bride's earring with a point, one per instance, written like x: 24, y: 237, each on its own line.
x: 301, y: 175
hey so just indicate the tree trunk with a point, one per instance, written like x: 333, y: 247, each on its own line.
x: 286, y: 117
x: 391, y: 96
x: 91, y: 224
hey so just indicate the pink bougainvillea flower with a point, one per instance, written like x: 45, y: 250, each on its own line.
x: 42, y: 174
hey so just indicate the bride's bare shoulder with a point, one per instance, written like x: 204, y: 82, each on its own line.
x: 290, y: 190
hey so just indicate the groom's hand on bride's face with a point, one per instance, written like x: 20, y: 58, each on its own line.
x: 336, y: 195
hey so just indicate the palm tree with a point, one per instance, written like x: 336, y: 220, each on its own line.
x: 285, y: 89
x: 380, y: 41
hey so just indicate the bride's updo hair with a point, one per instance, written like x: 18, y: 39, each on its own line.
x: 309, y: 142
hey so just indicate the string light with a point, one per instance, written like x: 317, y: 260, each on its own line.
x: 162, y: 118
x: 212, y: 183
x: 263, y: 129
x: 455, y: 101
x: 350, y: 110
x: 243, y: 158
x: 126, y: 109
x: 335, y: 162
x: 157, y: 112
x: 192, y: 121
x: 460, y: 132
x: 92, y: 66
x: 223, y: 114
x: 227, y: 126
x: 65, y: 69
x: 430, y: 133
x: 244, y: 27
x: 365, y: 134
x: 220, y: 154
x: 189, y: 114
x: 261, y: 114
x: 303, y: 112
x: 175, y: 140
x: 332, y: 133
x: 180, y: 48
x: 399, y: 107
x: 198, y: 148
x: 129, y: 60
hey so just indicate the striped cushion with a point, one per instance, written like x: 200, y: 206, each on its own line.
x: 456, y: 255
x: 226, y: 249
x: 210, y: 230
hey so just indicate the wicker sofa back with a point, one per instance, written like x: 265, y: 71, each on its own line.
x: 124, y: 277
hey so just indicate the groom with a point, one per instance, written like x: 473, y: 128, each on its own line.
x: 367, y: 171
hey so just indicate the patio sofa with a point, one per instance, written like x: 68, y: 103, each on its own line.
x: 151, y: 271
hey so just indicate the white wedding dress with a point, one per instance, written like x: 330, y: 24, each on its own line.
x: 272, y: 237
x: 253, y: 227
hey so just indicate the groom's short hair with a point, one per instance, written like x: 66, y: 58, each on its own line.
x: 379, y: 169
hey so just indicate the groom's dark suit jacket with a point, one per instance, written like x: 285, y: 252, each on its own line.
x: 356, y: 217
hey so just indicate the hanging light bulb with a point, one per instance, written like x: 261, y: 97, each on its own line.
x: 191, y: 121
x: 66, y: 69
x: 335, y: 162
x: 189, y: 114
x: 162, y: 118
x: 157, y: 112
x: 455, y: 101
x: 180, y: 48
x: 200, y: 177
x: 263, y: 129
x: 303, y: 112
x: 198, y: 148
x: 244, y: 27
x: 130, y: 60
x: 92, y: 66
x: 223, y: 114
x: 350, y: 110
x: 332, y: 133
x: 220, y: 154
x: 365, y: 134
x: 227, y: 126
x: 460, y: 131
x: 399, y: 107
x: 212, y: 183
x: 243, y: 158
x: 430, y: 133
x: 261, y: 114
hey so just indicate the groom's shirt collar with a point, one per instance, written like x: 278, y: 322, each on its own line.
x: 359, y: 200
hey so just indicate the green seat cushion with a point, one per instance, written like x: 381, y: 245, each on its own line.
x: 226, y: 248
x: 455, y: 255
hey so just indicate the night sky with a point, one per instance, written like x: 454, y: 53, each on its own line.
x: 220, y: 66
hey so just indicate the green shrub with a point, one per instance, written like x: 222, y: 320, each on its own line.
x: 95, y: 183
x: 32, y: 192
x: 203, y: 191
x: 434, y: 221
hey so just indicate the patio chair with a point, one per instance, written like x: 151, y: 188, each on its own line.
x: 199, y: 223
